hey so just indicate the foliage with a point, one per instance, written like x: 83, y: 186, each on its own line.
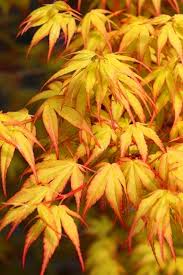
x: 113, y: 122
x: 102, y: 255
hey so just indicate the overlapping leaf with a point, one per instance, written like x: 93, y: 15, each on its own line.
x: 176, y: 132
x: 55, y: 174
x: 139, y: 179
x: 168, y: 79
x: 53, y: 89
x: 18, y: 133
x: 108, y: 73
x: 95, y: 42
x: 51, y: 221
x: 100, y: 95
x: 49, y: 111
x: 157, y: 210
x: 53, y: 108
x: 170, y: 31
x: 108, y: 180
x: 170, y: 168
x: 103, y: 134
x: 23, y: 203
x: 136, y: 34
x: 98, y: 20
x: 52, y: 20
x: 137, y: 133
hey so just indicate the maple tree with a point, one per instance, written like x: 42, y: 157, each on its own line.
x: 113, y: 132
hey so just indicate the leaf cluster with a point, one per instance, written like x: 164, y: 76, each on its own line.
x: 113, y: 128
